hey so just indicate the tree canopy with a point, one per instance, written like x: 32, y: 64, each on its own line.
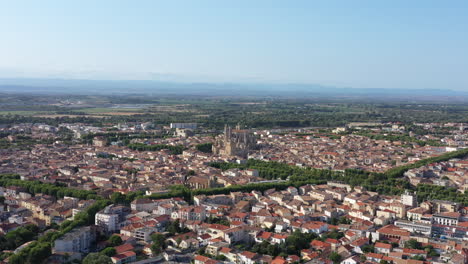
x: 96, y: 258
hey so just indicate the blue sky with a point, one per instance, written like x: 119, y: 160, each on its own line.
x: 365, y: 44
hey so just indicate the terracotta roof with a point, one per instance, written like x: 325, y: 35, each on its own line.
x: 201, y: 258
x: 383, y: 245
x: 279, y: 260
x: 264, y: 235
x: 374, y: 255
x: 393, y: 230
x: 280, y: 236
x: 218, y: 226
x: 124, y: 255
x: 248, y: 254
x: 319, y: 244
x: 332, y: 241
x: 360, y: 242
x: 123, y: 248
x: 413, y: 251
x: 225, y: 250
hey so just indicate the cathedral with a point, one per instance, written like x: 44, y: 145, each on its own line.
x: 235, y: 142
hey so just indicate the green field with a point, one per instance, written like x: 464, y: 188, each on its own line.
x: 98, y: 110
x: 26, y: 113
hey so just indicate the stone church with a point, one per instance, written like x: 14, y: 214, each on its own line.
x: 235, y: 142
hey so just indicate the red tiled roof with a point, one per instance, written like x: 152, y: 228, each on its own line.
x: 374, y: 255
x: 225, y: 250
x: 264, y: 235
x: 218, y: 226
x: 393, y: 230
x: 413, y: 251
x: 332, y: 241
x: 201, y: 258
x: 248, y: 254
x: 124, y: 255
x: 360, y: 242
x: 319, y: 244
x: 279, y: 260
x: 383, y: 245
x: 123, y: 248
x: 280, y: 236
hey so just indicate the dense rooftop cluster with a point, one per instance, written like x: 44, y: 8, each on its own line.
x: 138, y: 193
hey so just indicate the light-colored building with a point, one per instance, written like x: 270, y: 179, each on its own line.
x: 235, y: 142
x: 77, y: 240
x: 440, y: 206
x: 190, y: 213
x: 144, y: 233
x: 448, y: 218
x: 110, y: 217
x: 143, y: 204
x: 184, y: 125
x: 416, y: 214
x: 99, y: 142
x: 409, y: 199
x: 383, y: 248
x: 414, y: 227
x: 183, y: 132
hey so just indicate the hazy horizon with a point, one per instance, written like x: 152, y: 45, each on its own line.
x: 173, y: 79
x: 214, y: 89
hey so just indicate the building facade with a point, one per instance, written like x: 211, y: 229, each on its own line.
x: 184, y: 125
x: 110, y: 217
x: 78, y: 240
x: 235, y: 142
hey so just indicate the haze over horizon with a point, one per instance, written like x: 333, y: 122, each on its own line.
x: 365, y: 44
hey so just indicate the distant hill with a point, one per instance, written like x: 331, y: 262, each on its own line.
x: 149, y: 87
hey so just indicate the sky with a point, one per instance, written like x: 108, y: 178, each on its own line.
x: 364, y: 44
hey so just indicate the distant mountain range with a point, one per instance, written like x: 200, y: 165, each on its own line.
x: 149, y: 87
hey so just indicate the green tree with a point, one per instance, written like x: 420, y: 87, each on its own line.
x: 204, y: 147
x: 272, y: 250
x: 418, y: 257
x: 118, y: 198
x: 96, y: 258
x: 40, y: 252
x: 159, y: 239
x: 18, y: 237
x: 17, y: 259
x: 115, y: 240
x: 335, y: 257
x: 368, y: 248
x: 174, y: 227
x: 413, y: 243
x: 156, y: 249
x: 109, y: 251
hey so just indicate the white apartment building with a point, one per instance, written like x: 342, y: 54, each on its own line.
x: 414, y: 227
x: 409, y: 199
x: 448, y: 218
x: 78, y: 240
x: 110, y: 218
